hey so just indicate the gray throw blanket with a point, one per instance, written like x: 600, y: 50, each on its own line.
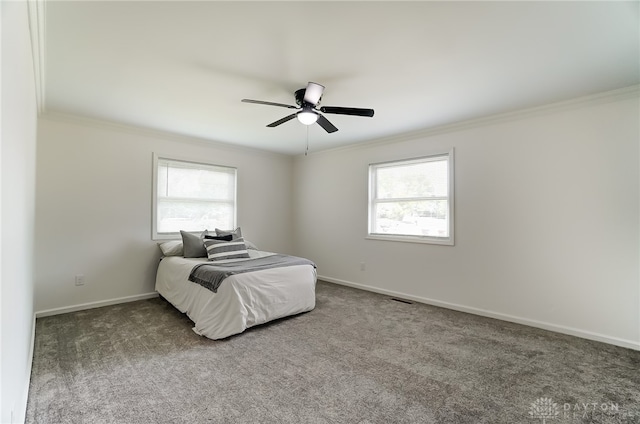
x: 210, y: 276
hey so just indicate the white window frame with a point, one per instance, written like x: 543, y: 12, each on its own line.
x: 373, y: 201
x: 155, y: 235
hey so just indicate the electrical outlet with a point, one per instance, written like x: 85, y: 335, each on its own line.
x: 79, y: 280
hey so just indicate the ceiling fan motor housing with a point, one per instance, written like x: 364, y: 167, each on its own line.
x: 308, y: 100
x: 300, y: 98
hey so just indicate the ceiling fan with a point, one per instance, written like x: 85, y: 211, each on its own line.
x: 308, y: 100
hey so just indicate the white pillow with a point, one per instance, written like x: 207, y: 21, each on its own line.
x: 171, y: 248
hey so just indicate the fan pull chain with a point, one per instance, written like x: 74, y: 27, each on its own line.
x: 307, y: 149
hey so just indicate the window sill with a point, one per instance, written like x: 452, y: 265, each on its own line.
x: 411, y: 239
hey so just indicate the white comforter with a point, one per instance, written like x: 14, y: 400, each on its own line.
x: 242, y: 301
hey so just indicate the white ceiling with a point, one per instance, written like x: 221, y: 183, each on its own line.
x: 183, y: 66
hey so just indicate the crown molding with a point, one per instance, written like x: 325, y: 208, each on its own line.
x: 37, y: 28
x: 594, y: 99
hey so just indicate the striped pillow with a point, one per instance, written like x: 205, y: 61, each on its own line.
x: 218, y: 250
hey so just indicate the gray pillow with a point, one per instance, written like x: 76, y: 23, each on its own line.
x: 193, y: 245
x: 237, y: 233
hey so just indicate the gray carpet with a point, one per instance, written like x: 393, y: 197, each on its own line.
x: 359, y: 357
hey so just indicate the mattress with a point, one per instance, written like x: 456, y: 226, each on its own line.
x: 242, y: 300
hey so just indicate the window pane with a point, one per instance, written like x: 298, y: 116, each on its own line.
x: 427, y: 179
x: 423, y: 218
x: 193, y: 196
x: 412, y: 200
x: 174, y: 216
x: 162, y: 180
x: 195, y: 183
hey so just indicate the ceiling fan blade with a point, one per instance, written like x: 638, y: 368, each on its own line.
x: 347, y: 111
x: 283, y: 120
x: 260, y: 102
x: 324, y: 123
x: 313, y: 92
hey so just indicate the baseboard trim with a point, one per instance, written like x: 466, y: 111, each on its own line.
x: 630, y: 344
x: 92, y: 305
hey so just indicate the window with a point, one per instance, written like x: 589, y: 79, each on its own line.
x: 412, y: 200
x: 191, y: 196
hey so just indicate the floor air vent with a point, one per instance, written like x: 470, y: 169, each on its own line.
x: 408, y: 302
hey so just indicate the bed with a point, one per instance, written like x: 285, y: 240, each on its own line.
x: 241, y: 300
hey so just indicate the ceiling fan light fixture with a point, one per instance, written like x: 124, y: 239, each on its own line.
x: 308, y: 101
x: 307, y: 117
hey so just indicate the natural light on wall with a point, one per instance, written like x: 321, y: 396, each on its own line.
x: 412, y: 200
x: 192, y: 196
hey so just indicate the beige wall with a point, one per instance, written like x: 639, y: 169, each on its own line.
x: 94, y: 207
x: 547, y: 215
x: 17, y: 194
x: 546, y: 219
